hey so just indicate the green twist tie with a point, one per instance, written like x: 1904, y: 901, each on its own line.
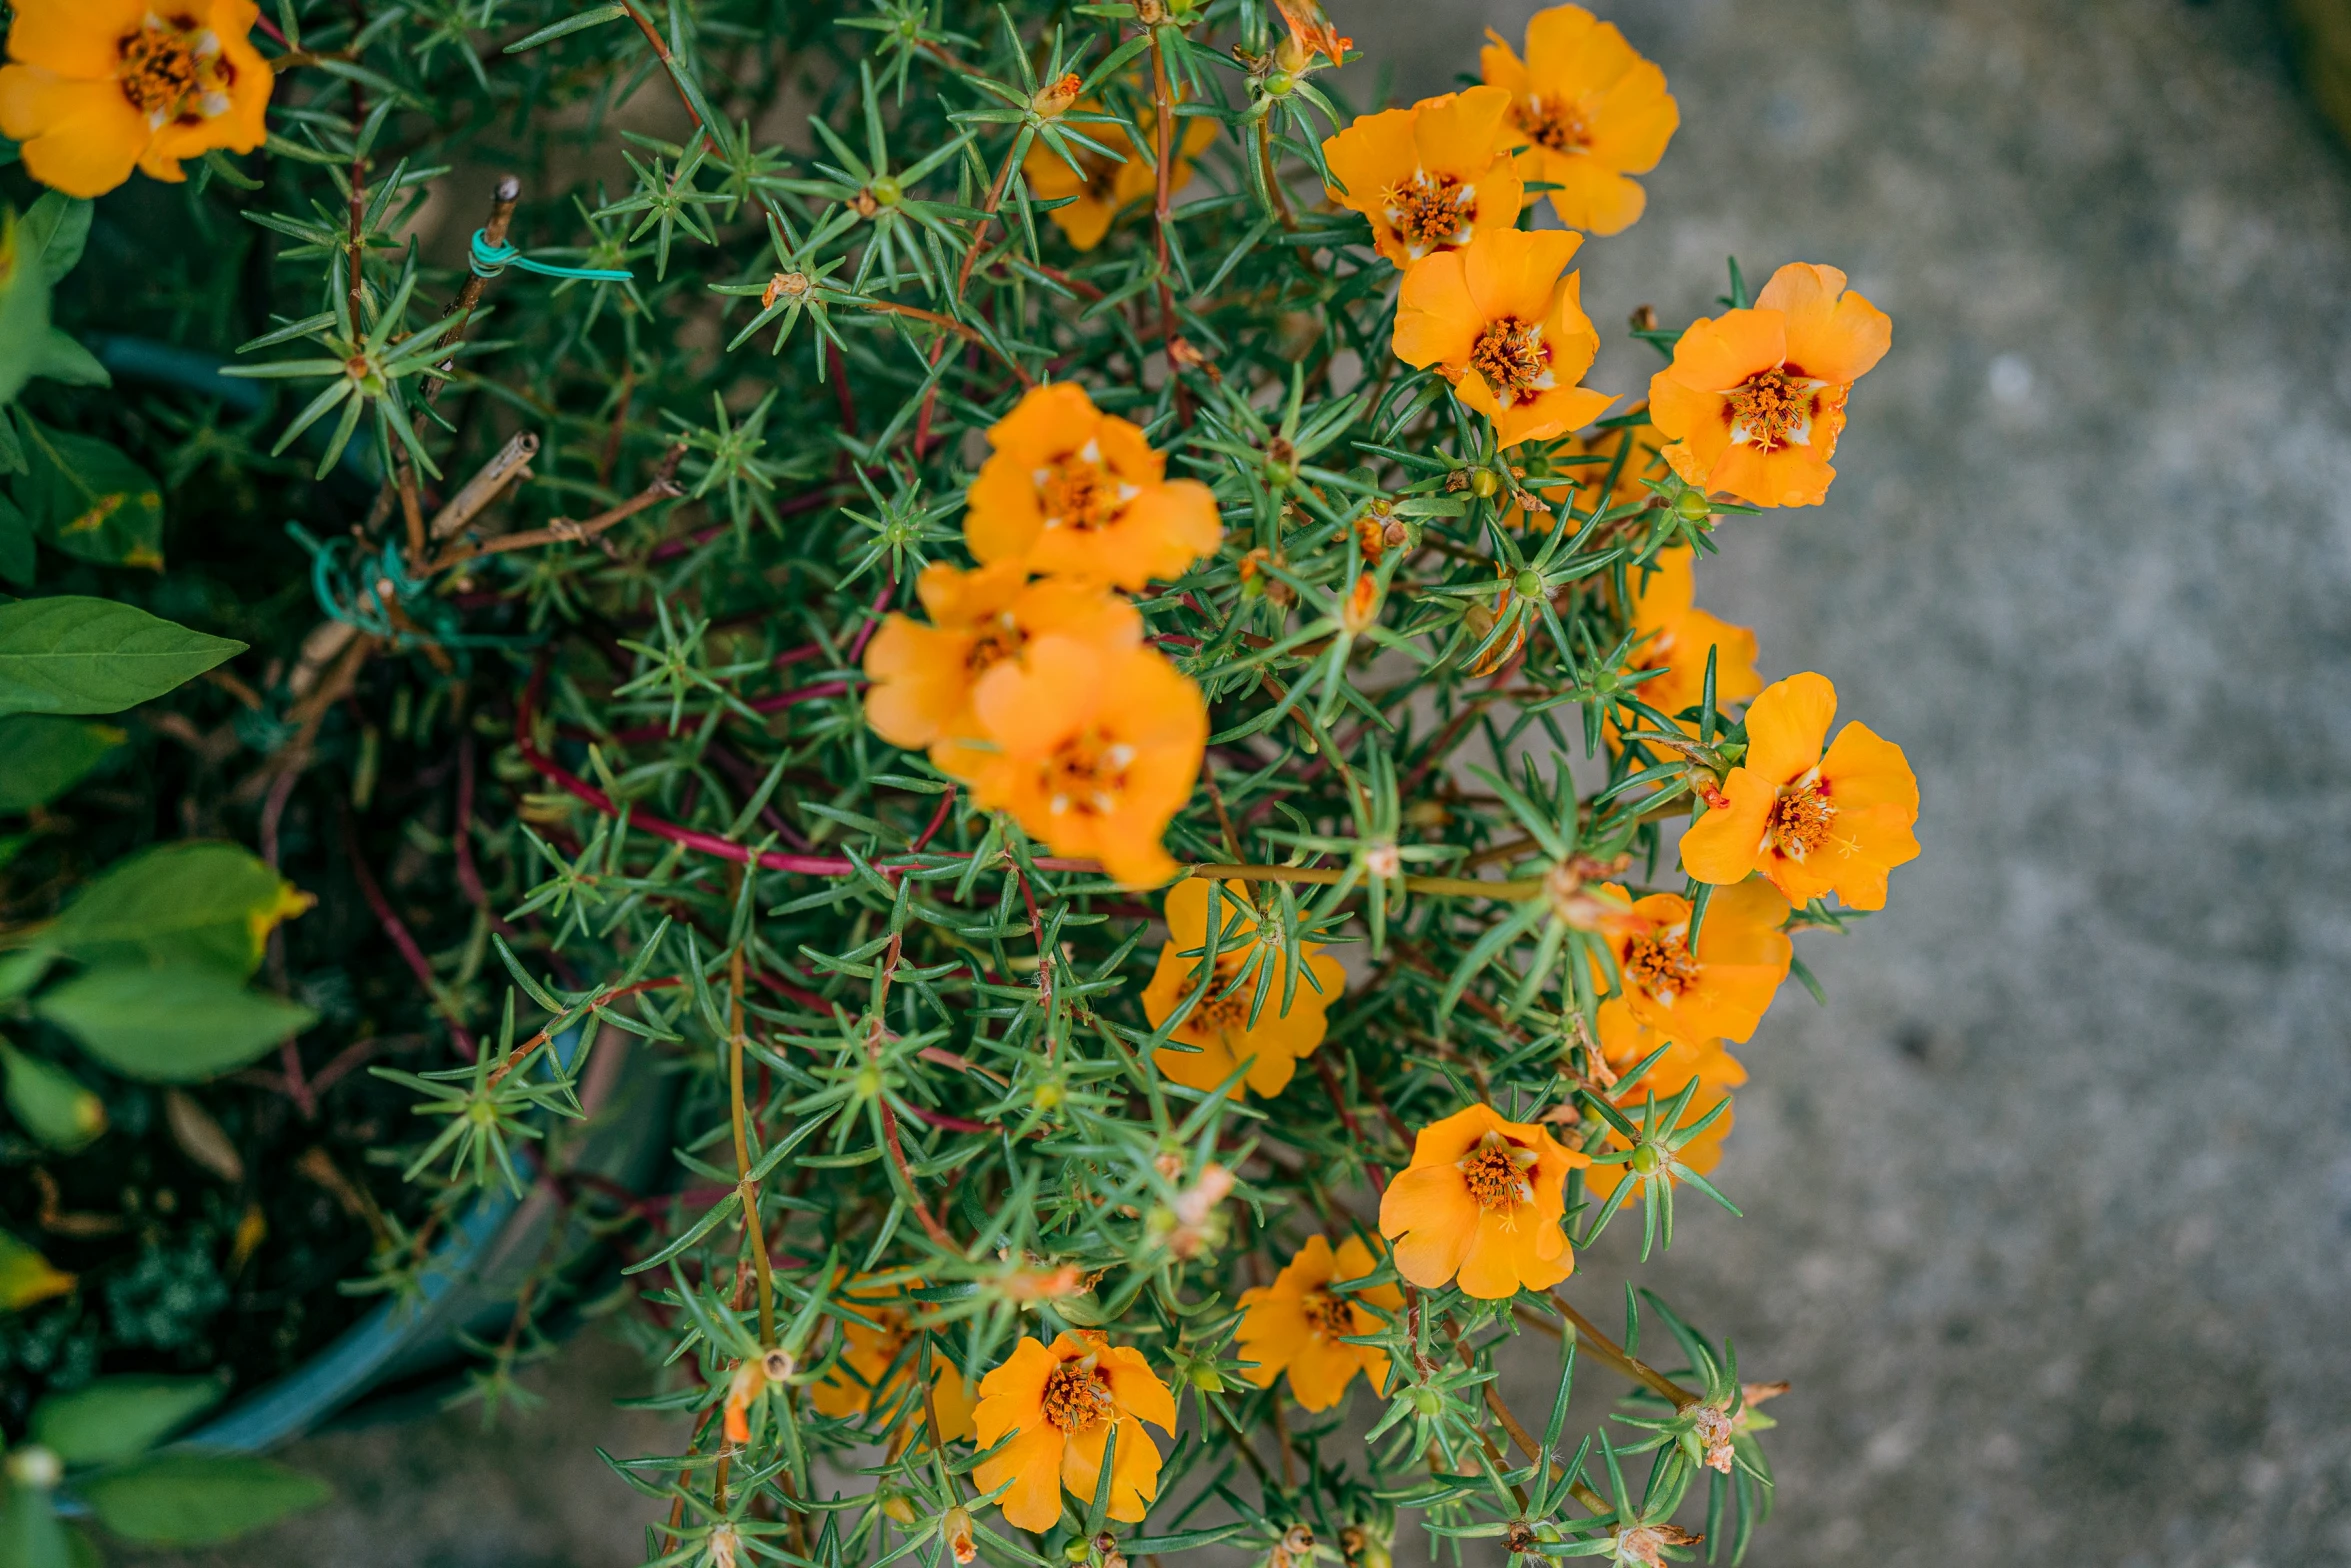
x: 489, y: 260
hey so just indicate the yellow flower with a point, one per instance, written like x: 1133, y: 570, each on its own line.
x: 1723, y: 988
x: 1754, y: 400
x: 1074, y: 491
x: 96, y: 88
x: 1500, y: 318
x: 1096, y: 750
x: 1429, y: 177
x: 1586, y: 111
x: 1482, y: 1200
x: 1105, y: 186
x: 924, y: 676
x: 1060, y: 1405
x: 1815, y: 822
x: 1297, y: 1325
x: 1219, y: 1023
x: 864, y: 1373
x: 1678, y: 635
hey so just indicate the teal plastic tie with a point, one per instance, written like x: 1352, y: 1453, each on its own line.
x: 489, y: 260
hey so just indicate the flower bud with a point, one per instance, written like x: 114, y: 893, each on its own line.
x: 1483, y: 483
x: 955, y: 1530
x: 1361, y: 612
x: 1647, y: 1159
x: 1054, y: 98
x: 1427, y: 1401
x: 1694, y: 506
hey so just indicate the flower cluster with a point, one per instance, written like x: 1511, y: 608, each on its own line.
x: 1032, y: 683
x: 1150, y: 773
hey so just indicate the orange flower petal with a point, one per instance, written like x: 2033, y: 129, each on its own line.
x: 1722, y: 846
x: 1430, y: 1218
x: 1032, y: 1462
x: 1593, y: 196
x: 80, y: 39
x: 1833, y: 335
x: 1865, y: 769
x: 1787, y: 726
x: 80, y: 137
x: 1720, y: 354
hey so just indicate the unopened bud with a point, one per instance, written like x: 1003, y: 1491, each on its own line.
x: 1362, y: 609
x: 1482, y: 482
x: 1694, y: 506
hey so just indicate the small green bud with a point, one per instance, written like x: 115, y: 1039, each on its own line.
x: 887, y: 191
x: 1646, y: 1159
x: 1078, y: 1550
x: 1483, y: 483
x: 1280, y: 85
x: 1427, y: 1401
x: 868, y: 1082
x: 1048, y: 1095
x: 1693, y: 506
x: 1206, y: 1378
x: 1529, y: 584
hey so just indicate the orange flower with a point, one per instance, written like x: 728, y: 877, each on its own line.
x: 1676, y: 634
x: 923, y: 676
x: 1724, y: 987
x: 1585, y: 111
x: 1813, y: 822
x: 1296, y: 1325
x: 1482, y: 1199
x: 1754, y: 399
x: 1219, y: 1022
x: 864, y: 1374
x: 1429, y: 177
x: 1311, y: 33
x: 1499, y: 320
x: 1096, y: 750
x: 1061, y: 1406
x: 96, y: 89
x: 1072, y: 490
x: 1104, y: 186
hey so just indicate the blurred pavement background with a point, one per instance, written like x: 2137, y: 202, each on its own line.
x: 2049, y: 1211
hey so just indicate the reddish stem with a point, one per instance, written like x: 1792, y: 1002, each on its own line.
x: 708, y: 843
x: 938, y: 821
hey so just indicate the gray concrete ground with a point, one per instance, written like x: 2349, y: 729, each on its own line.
x: 2048, y: 1211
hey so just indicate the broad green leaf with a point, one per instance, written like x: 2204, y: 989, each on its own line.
x: 21, y: 971
x: 72, y: 654
x: 53, y: 232
x: 118, y: 1418
x: 24, y: 306
x: 31, y: 1534
x: 196, y: 1499
x: 173, y: 1025
x: 88, y: 499
x: 43, y: 755
x: 17, y: 563
x: 55, y: 1107
x: 191, y: 902
x: 35, y: 251
x: 26, y: 1276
